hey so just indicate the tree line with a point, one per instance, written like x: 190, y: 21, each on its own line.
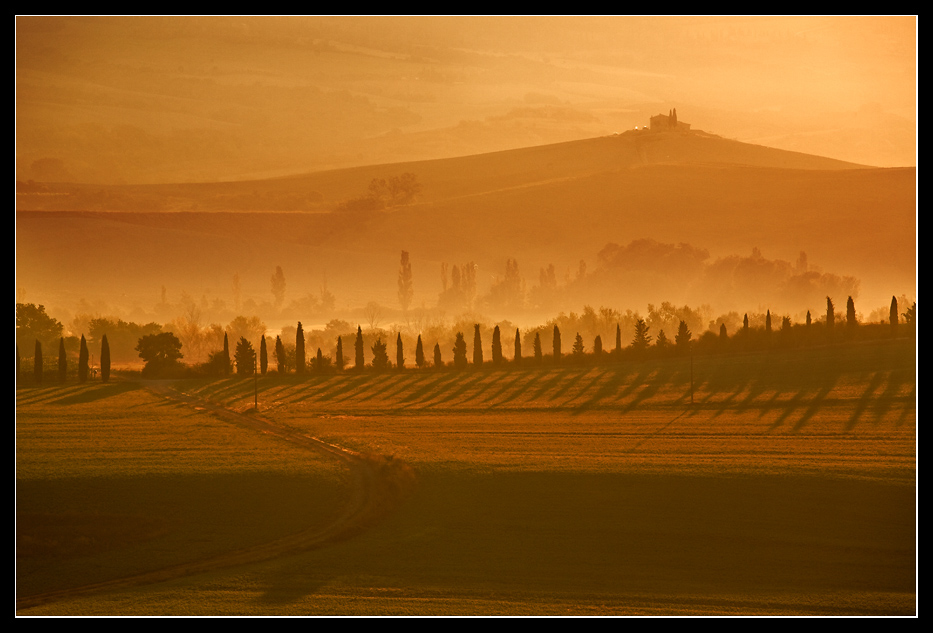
x: 162, y: 351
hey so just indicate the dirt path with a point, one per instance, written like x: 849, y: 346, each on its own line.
x: 375, y: 485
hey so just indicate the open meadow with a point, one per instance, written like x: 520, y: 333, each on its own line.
x: 788, y: 486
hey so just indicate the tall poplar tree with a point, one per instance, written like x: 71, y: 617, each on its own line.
x: 62, y: 361
x: 537, y: 347
x: 893, y: 316
x: 83, y: 360
x: 556, y: 344
x: 477, y: 347
x: 518, y: 348
x: 300, y: 350
x: 226, y: 355
x: 104, y: 359
x: 438, y: 361
x: 263, y: 356
x: 851, y: 321
x: 279, y: 355
x: 399, y: 354
x: 419, y: 353
x: 359, y: 348
x: 496, y: 347
x: 339, y: 353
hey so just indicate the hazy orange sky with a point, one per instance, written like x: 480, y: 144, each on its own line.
x: 159, y: 99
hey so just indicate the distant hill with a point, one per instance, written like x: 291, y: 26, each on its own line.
x: 554, y: 204
x: 442, y: 179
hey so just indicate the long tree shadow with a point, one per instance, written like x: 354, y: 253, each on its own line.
x: 866, y: 400
x: 612, y: 380
x: 99, y: 392
x: 433, y: 385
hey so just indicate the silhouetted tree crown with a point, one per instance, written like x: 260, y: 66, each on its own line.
x: 62, y: 361
x: 556, y: 344
x: 851, y: 321
x: 438, y: 361
x: 37, y: 363
x: 279, y: 355
x: 339, y: 353
x: 537, y: 347
x: 161, y: 352
x: 405, y: 290
x: 496, y: 346
x: 319, y: 361
x: 830, y: 313
x: 399, y: 354
x: 263, y: 356
x: 598, y: 346
x: 578, y: 349
x: 518, y: 348
x: 809, y: 319
x: 299, y: 350
x: 618, y: 338
x: 662, y: 341
x: 641, y: 340
x: 245, y: 357
x: 105, y: 359
x: 33, y: 324
x: 682, y: 340
x: 419, y: 353
x: 745, y: 322
x: 359, y: 347
x: 477, y: 347
x: 460, y: 352
x: 83, y: 360
x: 768, y: 322
x: 380, y: 356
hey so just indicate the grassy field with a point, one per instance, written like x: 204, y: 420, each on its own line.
x: 788, y: 487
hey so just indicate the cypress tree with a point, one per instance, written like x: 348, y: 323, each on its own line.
x: 893, y: 316
x: 851, y: 321
x: 477, y: 347
x: 62, y: 361
x: 830, y: 313
x: 319, y: 362
x: 279, y: 355
x: 518, y: 348
x: 104, y: 359
x: 83, y: 359
x: 300, y: 350
x: 745, y: 323
x: 556, y: 344
x: 537, y: 347
x: 438, y: 361
x: 226, y: 356
x: 399, y: 355
x: 460, y: 352
x: 768, y: 322
x: 339, y: 353
x: 419, y: 353
x: 37, y: 363
x: 598, y: 347
x: 496, y: 347
x: 722, y: 332
x: 263, y: 356
x: 618, y: 340
x: 359, y: 348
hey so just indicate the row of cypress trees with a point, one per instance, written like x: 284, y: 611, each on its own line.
x: 640, y: 343
x: 83, y: 361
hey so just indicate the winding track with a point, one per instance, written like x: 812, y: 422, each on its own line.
x: 375, y: 485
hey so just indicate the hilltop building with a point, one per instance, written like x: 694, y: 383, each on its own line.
x: 668, y: 122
